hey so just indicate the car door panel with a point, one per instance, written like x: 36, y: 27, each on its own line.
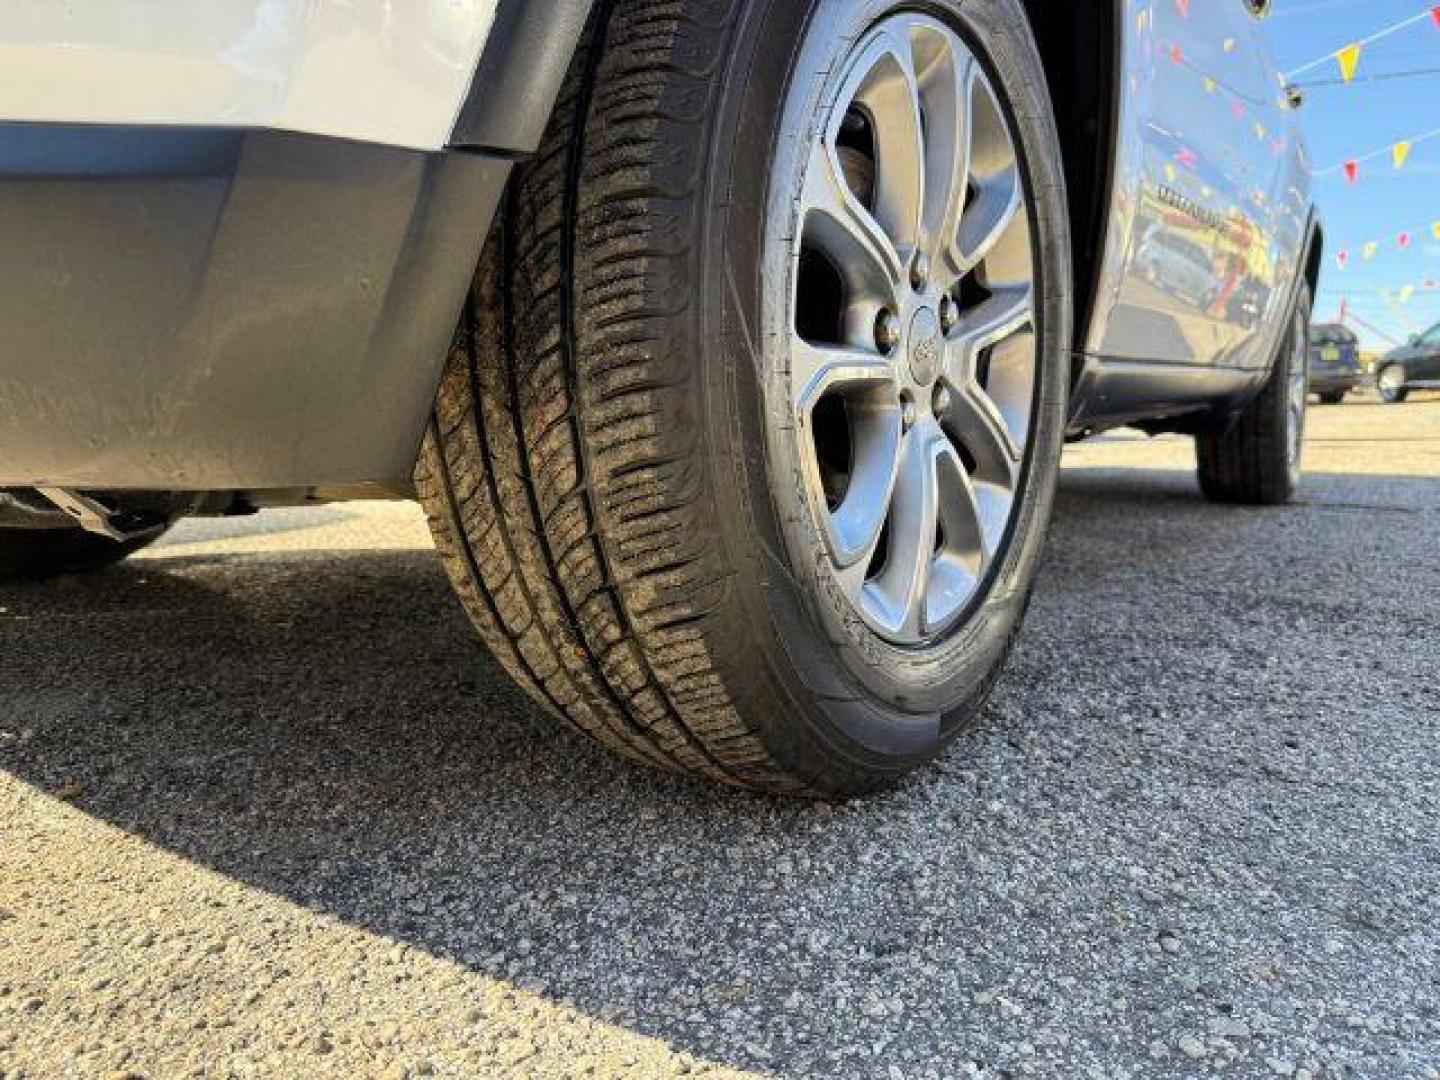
x: 1425, y: 367
x: 1208, y: 174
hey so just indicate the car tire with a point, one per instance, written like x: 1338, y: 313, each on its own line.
x: 616, y: 472
x: 1332, y: 397
x: 1256, y: 460
x: 36, y: 554
x: 1392, y: 391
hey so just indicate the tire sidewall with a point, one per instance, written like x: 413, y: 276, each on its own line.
x: 879, y: 703
x: 1299, y: 328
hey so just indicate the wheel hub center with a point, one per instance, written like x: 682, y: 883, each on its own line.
x: 925, y: 348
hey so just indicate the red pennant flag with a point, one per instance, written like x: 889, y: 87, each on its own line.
x: 1185, y: 156
x: 1435, y: 14
x: 1237, y: 110
x: 1176, y: 56
x: 1342, y: 259
x: 1184, y: 6
x: 1352, y: 171
x: 1403, y: 239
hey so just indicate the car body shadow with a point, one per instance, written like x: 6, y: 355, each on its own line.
x: 327, y: 729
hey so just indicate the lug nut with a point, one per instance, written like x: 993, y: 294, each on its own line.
x: 887, y: 330
x: 949, y: 314
x: 907, y: 413
x: 940, y: 403
x: 920, y: 273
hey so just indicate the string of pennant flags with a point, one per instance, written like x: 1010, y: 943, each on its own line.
x: 1347, y: 61
x: 1347, y: 57
x: 1404, y: 240
x: 1398, y: 152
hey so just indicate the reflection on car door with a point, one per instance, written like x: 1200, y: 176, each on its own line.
x: 1205, y: 147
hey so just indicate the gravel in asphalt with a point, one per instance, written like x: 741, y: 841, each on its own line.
x: 267, y: 809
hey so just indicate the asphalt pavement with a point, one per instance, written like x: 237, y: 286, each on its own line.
x: 267, y: 809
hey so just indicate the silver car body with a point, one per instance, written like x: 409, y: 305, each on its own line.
x: 211, y: 291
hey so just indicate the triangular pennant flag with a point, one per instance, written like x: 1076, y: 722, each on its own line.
x: 1237, y: 110
x: 1352, y: 170
x: 1370, y: 249
x: 1435, y: 14
x: 1436, y: 230
x: 1349, y: 59
x: 1342, y: 259
x: 1406, y: 293
x: 1260, y: 131
x: 1176, y: 56
x: 1403, y: 240
x: 1184, y: 6
x: 1400, y: 152
x: 1210, y: 85
x: 1229, y: 44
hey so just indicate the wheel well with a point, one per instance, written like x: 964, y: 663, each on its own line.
x: 1080, y: 47
x: 1313, y: 255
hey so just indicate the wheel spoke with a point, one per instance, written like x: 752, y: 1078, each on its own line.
x: 945, y: 78
x: 849, y: 235
x: 1004, y: 314
x: 953, y: 162
x: 975, y: 422
x: 995, y: 175
x: 882, y: 87
x: 966, y: 551
x: 996, y: 206
x: 896, y: 597
x: 1010, y: 382
x: 866, y: 383
x: 816, y: 370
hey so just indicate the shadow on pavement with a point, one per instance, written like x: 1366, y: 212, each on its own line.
x: 1180, y: 747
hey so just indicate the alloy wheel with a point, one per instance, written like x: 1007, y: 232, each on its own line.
x: 913, y: 345
x: 1392, y: 379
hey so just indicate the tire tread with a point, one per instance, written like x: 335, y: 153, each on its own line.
x: 563, y: 484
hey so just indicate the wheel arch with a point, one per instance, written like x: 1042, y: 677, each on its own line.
x: 517, y: 79
x: 1314, y: 253
x: 1081, y: 48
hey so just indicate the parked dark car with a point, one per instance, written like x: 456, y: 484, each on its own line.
x: 1334, y: 362
x: 1413, y: 366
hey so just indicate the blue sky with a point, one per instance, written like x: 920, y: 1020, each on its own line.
x: 1347, y: 121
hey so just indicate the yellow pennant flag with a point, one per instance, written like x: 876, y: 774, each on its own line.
x: 1406, y: 293
x: 1349, y: 59
x: 1370, y: 249
x: 1210, y: 85
x: 1229, y: 44
x: 1400, y: 153
x: 1436, y: 230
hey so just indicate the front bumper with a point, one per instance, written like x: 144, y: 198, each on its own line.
x: 1329, y: 382
x: 191, y: 309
